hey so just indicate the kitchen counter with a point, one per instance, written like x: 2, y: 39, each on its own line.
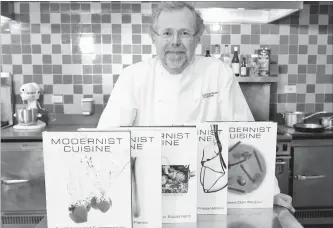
x: 277, y: 217
x: 9, y: 134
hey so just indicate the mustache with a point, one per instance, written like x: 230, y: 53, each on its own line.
x: 175, y: 50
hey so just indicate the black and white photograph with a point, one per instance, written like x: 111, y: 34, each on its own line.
x: 209, y: 72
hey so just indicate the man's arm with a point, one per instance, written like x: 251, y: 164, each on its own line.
x: 121, y: 107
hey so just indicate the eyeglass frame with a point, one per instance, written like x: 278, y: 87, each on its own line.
x: 191, y: 37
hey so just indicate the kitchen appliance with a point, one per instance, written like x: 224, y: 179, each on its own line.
x: 283, y: 157
x: 23, y: 203
x: 7, y: 100
x: 27, y: 117
x: 313, y: 128
x: 312, y: 184
x: 292, y: 118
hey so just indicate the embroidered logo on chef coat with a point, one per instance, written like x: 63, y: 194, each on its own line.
x: 208, y: 95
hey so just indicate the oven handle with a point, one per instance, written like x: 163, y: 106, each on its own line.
x: 11, y: 182
x: 301, y: 177
x: 283, y: 157
x: 279, y: 158
x: 280, y: 163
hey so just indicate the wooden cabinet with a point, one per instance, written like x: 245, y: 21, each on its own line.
x: 22, y: 178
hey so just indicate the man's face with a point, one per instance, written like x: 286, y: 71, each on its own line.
x: 176, y: 51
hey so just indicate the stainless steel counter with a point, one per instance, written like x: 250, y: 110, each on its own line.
x: 236, y: 218
x: 9, y: 134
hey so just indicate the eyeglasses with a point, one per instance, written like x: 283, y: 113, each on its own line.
x: 183, y: 34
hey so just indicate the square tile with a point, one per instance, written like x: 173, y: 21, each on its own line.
x: 245, y: 29
x: 303, y: 29
x: 300, y: 98
x: 310, y: 88
x: 311, y: 79
x: 284, y: 39
x: 312, y: 59
x: 126, y: 19
x: 235, y: 29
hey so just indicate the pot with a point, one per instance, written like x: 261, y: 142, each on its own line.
x: 327, y: 122
x: 27, y: 117
x: 292, y: 118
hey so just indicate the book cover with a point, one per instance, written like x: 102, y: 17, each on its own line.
x: 179, y: 173
x: 212, y: 166
x: 88, y: 179
x: 146, y: 178
x: 252, y: 152
x: 146, y: 175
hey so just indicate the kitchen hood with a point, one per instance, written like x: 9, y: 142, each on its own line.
x: 250, y: 12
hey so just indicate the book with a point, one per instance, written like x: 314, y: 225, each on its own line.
x: 251, y: 165
x: 88, y: 179
x: 179, y: 174
x: 146, y: 175
x: 146, y: 178
x: 212, y: 165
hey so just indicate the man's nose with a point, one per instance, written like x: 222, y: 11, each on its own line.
x: 175, y: 40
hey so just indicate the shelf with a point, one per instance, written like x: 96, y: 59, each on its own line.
x: 257, y: 79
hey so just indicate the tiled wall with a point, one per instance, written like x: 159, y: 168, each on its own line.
x: 79, y: 49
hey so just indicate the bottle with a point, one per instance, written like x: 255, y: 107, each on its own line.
x: 216, y: 52
x: 243, y: 68
x: 207, y: 53
x: 235, y: 62
x: 226, y: 55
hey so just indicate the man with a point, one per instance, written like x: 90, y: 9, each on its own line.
x: 177, y: 87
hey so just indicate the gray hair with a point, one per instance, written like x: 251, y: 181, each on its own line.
x: 169, y: 6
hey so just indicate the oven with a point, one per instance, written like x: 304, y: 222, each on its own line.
x: 283, y: 159
x: 312, y: 186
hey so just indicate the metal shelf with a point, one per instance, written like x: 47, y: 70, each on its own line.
x: 257, y: 79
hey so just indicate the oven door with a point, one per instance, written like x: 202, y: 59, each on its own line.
x: 282, y: 173
x: 313, y: 176
x: 22, y: 179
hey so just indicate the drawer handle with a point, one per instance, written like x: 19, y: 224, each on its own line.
x: 11, y: 182
x: 27, y: 146
x: 300, y: 177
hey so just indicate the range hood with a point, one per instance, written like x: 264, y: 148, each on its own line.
x: 250, y: 12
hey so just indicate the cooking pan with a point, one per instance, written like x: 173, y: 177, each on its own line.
x: 313, y: 128
x: 291, y: 118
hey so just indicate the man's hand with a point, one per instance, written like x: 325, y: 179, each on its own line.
x: 284, y: 200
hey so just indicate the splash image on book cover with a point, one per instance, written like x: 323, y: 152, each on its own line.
x: 88, y: 179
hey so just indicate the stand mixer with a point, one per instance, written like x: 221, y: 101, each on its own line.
x: 27, y: 117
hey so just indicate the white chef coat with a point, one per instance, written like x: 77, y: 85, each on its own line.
x: 146, y: 94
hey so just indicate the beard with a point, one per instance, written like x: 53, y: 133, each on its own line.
x: 175, y: 59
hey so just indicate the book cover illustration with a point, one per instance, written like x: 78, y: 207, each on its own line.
x: 87, y: 179
x: 252, y: 152
x: 146, y: 178
x: 212, y: 164
x: 179, y: 174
